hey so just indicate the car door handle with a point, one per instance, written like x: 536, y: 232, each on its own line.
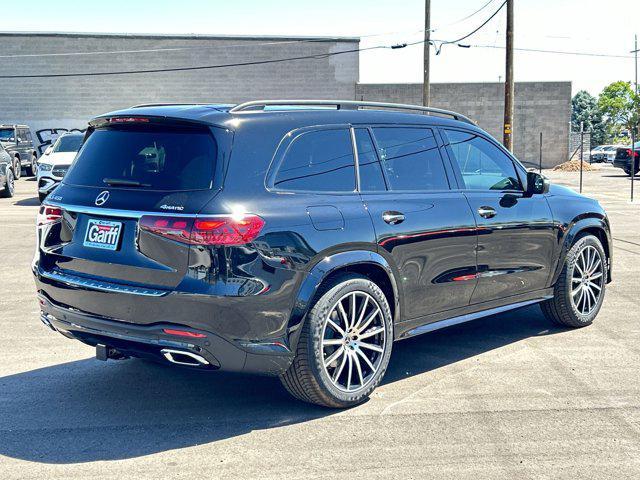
x: 487, y: 212
x: 392, y: 217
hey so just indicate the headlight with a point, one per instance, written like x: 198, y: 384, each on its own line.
x: 45, y: 167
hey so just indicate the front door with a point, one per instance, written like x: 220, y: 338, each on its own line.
x: 515, y: 231
x: 423, y: 226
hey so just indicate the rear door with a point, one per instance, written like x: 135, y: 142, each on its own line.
x: 128, y: 182
x: 421, y: 221
x: 516, y: 236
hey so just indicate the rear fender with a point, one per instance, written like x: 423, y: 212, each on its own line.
x: 320, y: 271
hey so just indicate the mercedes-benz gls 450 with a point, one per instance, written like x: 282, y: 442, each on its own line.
x: 302, y: 239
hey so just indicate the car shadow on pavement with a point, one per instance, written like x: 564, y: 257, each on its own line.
x: 87, y: 410
x: 28, y: 202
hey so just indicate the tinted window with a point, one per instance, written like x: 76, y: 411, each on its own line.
x: 411, y: 158
x: 6, y: 134
x: 320, y: 161
x: 149, y: 157
x: 483, y: 165
x: 371, y: 178
x: 68, y: 143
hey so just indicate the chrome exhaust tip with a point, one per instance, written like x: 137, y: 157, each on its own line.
x: 182, y: 357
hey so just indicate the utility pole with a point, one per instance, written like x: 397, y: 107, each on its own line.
x: 509, y: 90
x: 634, y: 127
x: 426, y: 86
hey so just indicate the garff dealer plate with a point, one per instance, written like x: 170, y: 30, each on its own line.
x: 102, y: 234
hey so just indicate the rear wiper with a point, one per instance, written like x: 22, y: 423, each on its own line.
x: 122, y: 182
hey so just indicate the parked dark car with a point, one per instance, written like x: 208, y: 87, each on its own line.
x: 18, y: 142
x: 623, y: 159
x: 301, y: 239
x: 6, y: 174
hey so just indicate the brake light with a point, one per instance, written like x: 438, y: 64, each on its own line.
x: 226, y: 231
x: 173, y: 228
x: 48, y: 214
x: 128, y: 120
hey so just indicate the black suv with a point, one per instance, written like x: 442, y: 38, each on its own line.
x: 301, y: 239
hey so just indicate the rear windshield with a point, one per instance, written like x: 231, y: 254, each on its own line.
x: 145, y: 157
x: 68, y: 143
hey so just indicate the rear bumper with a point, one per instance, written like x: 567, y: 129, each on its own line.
x: 259, y: 356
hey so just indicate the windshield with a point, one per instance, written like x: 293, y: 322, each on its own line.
x: 155, y: 158
x: 68, y: 143
x: 6, y: 134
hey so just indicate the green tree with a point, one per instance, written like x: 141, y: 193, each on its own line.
x: 585, y: 111
x: 620, y: 108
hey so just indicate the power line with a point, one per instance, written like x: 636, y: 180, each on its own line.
x: 558, y: 52
x: 206, y: 67
x: 438, y: 49
x: 464, y: 18
x: 246, y: 44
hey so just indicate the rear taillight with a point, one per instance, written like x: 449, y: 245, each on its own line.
x: 48, y: 215
x: 205, y: 230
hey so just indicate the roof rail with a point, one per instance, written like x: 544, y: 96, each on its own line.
x: 260, y: 105
x: 164, y: 105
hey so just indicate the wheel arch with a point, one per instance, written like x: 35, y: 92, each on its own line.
x: 597, y: 226
x: 362, y: 262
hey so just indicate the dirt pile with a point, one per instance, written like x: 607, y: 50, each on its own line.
x: 574, y: 166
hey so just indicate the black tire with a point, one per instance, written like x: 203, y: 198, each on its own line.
x: 307, y: 378
x: 9, y: 187
x: 561, y: 308
x: 17, y: 168
x: 32, y: 168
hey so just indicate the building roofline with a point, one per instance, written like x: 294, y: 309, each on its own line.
x: 187, y: 36
x: 518, y: 82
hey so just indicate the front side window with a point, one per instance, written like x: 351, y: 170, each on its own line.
x: 483, y: 165
x: 411, y: 159
x: 318, y: 161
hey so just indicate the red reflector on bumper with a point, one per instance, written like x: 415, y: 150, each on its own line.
x: 183, y: 333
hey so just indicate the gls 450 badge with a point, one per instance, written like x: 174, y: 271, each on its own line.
x: 102, y: 234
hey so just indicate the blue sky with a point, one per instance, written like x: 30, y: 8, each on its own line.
x: 566, y: 25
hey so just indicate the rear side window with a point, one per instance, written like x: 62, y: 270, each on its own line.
x: 155, y: 158
x: 318, y: 161
x: 411, y: 159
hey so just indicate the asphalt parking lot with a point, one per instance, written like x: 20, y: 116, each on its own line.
x: 509, y: 396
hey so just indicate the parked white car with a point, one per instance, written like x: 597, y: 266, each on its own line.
x: 55, y: 162
x: 603, y: 153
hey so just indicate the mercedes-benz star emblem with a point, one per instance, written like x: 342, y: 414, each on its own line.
x: 102, y: 198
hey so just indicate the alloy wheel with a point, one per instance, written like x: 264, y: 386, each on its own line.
x: 587, y: 280
x: 353, y: 341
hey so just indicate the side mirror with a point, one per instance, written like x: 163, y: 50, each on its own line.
x: 48, y: 150
x: 537, y: 184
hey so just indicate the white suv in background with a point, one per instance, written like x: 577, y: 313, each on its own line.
x: 55, y: 162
